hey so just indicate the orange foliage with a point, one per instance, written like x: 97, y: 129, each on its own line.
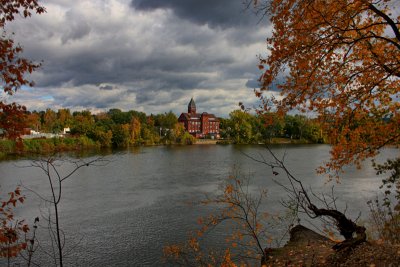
x: 13, y: 67
x: 12, y: 119
x: 245, y: 242
x: 10, y: 229
x: 135, y: 127
x: 341, y: 60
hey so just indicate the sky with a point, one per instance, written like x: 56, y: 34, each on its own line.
x: 146, y: 55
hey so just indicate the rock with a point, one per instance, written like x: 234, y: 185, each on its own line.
x: 304, y: 248
x: 300, y: 234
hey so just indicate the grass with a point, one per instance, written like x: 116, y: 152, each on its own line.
x: 43, y: 146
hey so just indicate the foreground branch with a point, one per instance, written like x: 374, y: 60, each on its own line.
x: 353, y: 233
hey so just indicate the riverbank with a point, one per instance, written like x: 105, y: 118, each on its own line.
x: 272, y: 141
x: 45, y: 146
x: 206, y: 142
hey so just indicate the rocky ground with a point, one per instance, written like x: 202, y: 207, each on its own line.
x: 368, y: 254
x: 307, y: 248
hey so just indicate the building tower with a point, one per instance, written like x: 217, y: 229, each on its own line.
x: 192, y: 107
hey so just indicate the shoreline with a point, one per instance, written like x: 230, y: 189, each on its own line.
x: 206, y: 142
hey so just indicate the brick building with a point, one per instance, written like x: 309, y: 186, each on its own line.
x: 199, y: 125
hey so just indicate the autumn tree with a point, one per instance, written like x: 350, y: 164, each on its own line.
x: 181, y: 135
x: 102, y: 119
x: 13, y: 69
x: 12, y: 119
x: 134, y: 128
x: 341, y: 60
x: 13, y: 66
x: 148, y: 132
x: 12, y: 231
x: 33, y: 121
x: 50, y: 120
x: 248, y: 234
x: 141, y: 116
x: 83, y: 122
x: 64, y: 118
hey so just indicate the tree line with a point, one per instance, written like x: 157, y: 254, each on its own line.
x: 129, y: 128
x: 112, y: 128
x: 244, y: 128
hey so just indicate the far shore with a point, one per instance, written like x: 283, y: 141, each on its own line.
x: 206, y: 142
x: 9, y: 148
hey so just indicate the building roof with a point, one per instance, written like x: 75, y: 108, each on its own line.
x: 192, y: 105
x: 193, y: 116
x: 197, y: 116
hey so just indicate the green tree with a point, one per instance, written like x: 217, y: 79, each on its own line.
x: 120, y: 117
x: 104, y: 137
x: 120, y: 135
x: 166, y: 120
x: 150, y: 137
x: 313, y: 132
x: 241, y: 126
x: 50, y: 121
x: 273, y: 125
x: 149, y: 133
x: 64, y: 118
x: 83, y: 122
x: 165, y: 124
x: 103, y: 121
x: 224, y: 128
x: 295, y: 126
x: 141, y: 116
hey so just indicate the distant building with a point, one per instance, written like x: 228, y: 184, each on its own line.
x: 66, y: 130
x: 199, y: 125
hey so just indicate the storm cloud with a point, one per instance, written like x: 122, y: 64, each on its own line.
x: 219, y: 13
x: 151, y: 56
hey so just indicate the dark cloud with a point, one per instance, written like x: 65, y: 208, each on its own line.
x: 77, y: 27
x: 149, y: 55
x: 106, y: 87
x: 215, y: 13
x: 90, y: 97
x: 166, y: 70
x: 153, y: 97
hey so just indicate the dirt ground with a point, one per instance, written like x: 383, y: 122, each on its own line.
x: 307, y: 248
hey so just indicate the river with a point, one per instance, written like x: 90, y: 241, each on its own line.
x: 124, y: 213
